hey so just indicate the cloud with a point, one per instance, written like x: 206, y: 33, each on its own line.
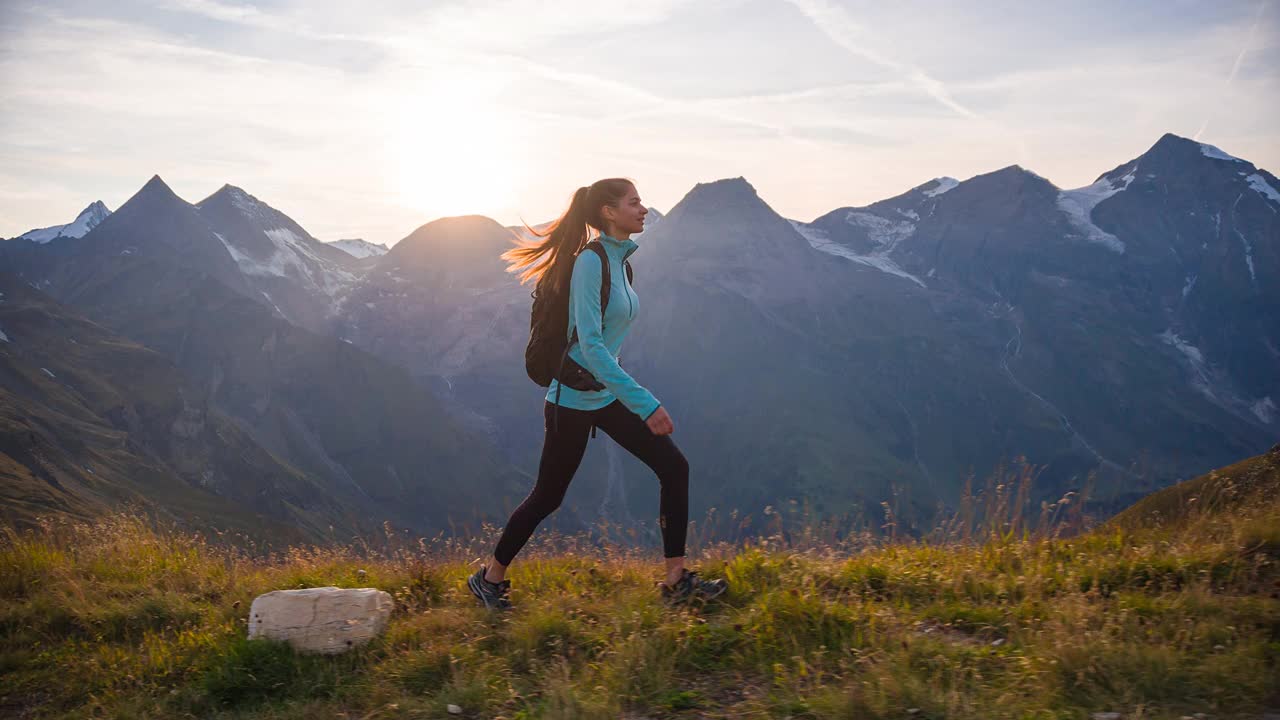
x: 819, y: 109
x: 842, y: 29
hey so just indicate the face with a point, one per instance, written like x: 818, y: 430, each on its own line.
x: 628, y: 217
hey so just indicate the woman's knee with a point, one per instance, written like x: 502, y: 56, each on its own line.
x: 675, y: 469
x: 548, y: 502
x: 539, y: 505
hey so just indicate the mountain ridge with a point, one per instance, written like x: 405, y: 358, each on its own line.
x: 901, y: 344
x: 86, y: 220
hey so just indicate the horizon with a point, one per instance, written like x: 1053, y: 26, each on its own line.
x: 662, y: 211
x: 353, y: 110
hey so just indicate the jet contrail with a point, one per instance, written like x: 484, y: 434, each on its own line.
x: 837, y: 25
x: 1235, y: 68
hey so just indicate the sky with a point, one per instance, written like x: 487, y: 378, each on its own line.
x: 370, y: 119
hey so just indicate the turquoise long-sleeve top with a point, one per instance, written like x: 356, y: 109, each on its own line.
x: 598, y: 343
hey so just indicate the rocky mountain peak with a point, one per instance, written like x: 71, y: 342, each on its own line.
x: 154, y: 196
x: 230, y: 197
x: 97, y: 209
x: 1010, y: 180
x: 938, y: 186
x: 461, y: 241
x: 1173, y: 153
x: 728, y: 202
x: 730, y: 192
x: 156, y: 187
x: 88, y: 219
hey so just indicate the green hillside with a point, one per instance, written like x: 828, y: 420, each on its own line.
x: 1248, y: 481
x: 1148, y: 619
x: 91, y: 421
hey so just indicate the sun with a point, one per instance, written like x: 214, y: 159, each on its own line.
x: 453, y: 151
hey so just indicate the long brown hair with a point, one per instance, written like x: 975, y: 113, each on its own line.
x: 562, y: 239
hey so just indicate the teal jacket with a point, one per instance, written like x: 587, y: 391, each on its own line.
x: 597, y: 347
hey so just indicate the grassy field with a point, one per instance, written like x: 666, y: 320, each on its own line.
x: 1172, y: 609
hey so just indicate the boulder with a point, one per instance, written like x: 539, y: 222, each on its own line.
x: 320, y: 620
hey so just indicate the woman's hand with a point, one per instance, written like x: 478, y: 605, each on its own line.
x: 660, y: 422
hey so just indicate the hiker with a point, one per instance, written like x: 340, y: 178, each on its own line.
x: 584, y: 298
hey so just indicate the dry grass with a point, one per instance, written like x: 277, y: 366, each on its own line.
x: 1004, y: 612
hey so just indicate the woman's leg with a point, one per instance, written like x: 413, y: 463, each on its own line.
x: 660, y: 453
x: 562, y: 452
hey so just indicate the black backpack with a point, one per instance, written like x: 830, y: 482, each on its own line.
x: 546, y: 358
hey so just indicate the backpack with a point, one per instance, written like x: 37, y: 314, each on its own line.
x: 546, y: 357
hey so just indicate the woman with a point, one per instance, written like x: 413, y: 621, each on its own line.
x: 627, y: 412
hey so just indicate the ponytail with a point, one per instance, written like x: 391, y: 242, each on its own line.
x: 561, y: 240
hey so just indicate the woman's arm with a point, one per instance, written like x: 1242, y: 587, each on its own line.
x: 585, y: 285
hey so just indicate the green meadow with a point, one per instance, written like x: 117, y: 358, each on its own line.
x: 1170, y: 609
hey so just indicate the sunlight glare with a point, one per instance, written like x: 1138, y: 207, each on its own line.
x: 452, y: 149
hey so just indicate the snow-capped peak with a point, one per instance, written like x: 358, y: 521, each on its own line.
x: 944, y: 184
x: 247, y: 204
x: 1216, y: 153
x: 87, y: 220
x: 358, y: 248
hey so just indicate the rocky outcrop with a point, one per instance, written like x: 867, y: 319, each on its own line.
x: 326, y: 620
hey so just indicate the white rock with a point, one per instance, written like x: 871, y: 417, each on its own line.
x: 321, y: 620
x: 454, y: 709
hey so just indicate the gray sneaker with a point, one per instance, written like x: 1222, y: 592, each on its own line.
x: 691, y: 587
x: 492, y: 595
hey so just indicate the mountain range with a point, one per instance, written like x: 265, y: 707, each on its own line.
x: 360, y: 249
x: 87, y: 220
x: 1127, y: 332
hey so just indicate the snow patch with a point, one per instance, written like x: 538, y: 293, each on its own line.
x: 290, y: 252
x: 87, y: 220
x: 273, y: 303
x: 1265, y: 410
x: 945, y: 184
x: 885, y: 233
x: 1191, y: 283
x: 1217, y: 154
x: 909, y: 214
x: 1191, y: 351
x: 819, y: 240
x: 3, y: 337
x: 248, y: 264
x: 244, y: 202
x: 1078, y: 206
x: 360, y: 249
x: 1248, y: 255
x: 1195, y: 359
x: 46, y: 372
x: 291, y: 256
x: 1260, y: 184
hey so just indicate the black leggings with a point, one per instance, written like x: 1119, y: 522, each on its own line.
x: 562, y: 452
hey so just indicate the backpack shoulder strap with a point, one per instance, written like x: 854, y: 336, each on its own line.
x: 605, y: 280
